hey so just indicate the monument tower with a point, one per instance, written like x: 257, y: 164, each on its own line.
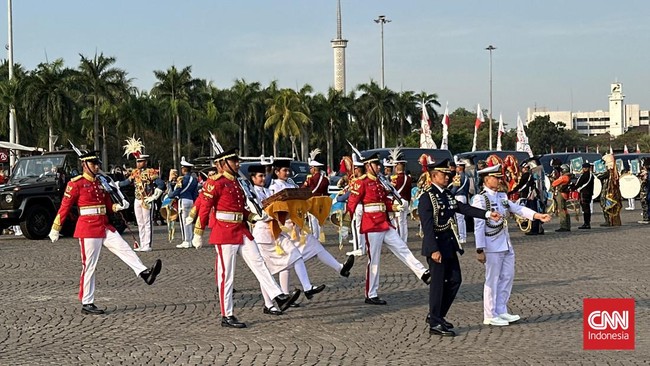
x: 339, y: 44
x: 616, y: 110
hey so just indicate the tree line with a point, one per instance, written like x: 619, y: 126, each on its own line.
x: 96, y: 105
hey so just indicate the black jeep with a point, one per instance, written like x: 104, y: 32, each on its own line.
x: 32, y: 196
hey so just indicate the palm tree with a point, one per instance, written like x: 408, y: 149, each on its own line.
x: 244, y: 102
x: 173, y: 88
x: 305, y: 100
x: 331, y: 114
x: 406, y: 106
x: 12, y: 95
x: 48, y: 96
x: 100, y: 82
x: 381, y: 107
x: 286, y: 114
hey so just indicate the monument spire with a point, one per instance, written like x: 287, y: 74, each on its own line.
x: 339, y: 44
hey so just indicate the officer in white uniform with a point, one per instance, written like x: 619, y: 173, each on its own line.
x: 494, y: 249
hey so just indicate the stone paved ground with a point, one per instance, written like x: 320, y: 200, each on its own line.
x: 175, y: 321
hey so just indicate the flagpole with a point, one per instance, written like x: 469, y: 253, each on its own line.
x: 490, y: 48
x: 13, y: 133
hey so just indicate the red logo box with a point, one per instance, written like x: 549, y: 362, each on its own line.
x: 608, y: 324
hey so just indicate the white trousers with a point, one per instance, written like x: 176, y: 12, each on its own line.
x: 312, y: 248
x: 460, y: 219
x: 301, y: 272
x: 358, y: 240
x: 90, y: 249
x: 630, y: 203
x: 144, y: 218
x: 225, y: 263
x: 499, y: 275
x: 396, y: 245
x: 315, y: 225
x: 184, y: 208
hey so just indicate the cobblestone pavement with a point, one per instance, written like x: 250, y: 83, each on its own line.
x: 176, y: 320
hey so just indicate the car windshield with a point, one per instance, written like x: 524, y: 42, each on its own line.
x: 42, y: 166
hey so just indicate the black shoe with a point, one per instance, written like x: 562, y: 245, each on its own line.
x: 444, y: 322
x: 530, y: 233
x: 375, y: 301
x: 231, y: 322
x: 585, y: 227
x: 345, y: 271
x: 426, y: 277
x: 313, y: 291
x: 91, y: 309
x: 295, y: 305
x: 149, y: 275
x: 284, y: 300
x: 441, y: 330
x: 272, y: 311
x: 562, y: 230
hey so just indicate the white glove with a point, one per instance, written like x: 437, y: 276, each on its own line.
x: 197, y: 241
x: 125, y: 205
x: 189, y: 220
x: 117, y: 207
x: 149, y: 199
x: 397, y: 207
x: 54, y: 235
x: 255, y: 217
x: 157, y: 193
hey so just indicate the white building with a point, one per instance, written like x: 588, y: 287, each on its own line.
x: 616, y: 121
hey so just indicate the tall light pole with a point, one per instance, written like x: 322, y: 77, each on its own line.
x: 490, y: 48
x: 12, y: 118
x: 381, y: 20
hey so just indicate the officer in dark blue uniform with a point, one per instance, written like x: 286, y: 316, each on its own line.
x: 186, y: 192
x: 437, y: 208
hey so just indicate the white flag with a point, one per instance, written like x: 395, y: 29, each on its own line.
x: 426, y: 141
x: 445, y: 129
x: 500, y: 132
x: 522, y: 139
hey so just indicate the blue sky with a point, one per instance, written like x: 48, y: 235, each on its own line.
x: 555, y: 54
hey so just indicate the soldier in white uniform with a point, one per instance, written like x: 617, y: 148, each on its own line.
x: 312, y: 247
x: 279, y: 254
x: 494, y: 249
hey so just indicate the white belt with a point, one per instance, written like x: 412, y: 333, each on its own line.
x: 230, y: 216
x: 85, y: 211
x: 374, y: 207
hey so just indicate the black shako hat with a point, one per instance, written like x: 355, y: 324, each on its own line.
x: 252, y: 169
x: 232, y: 154
x: 371, y: 159
x: 282, y: 163
x: 91, y: 156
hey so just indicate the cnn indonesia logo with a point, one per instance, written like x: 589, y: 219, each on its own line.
x: 608, y: 324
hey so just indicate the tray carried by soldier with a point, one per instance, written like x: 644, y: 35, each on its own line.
x: 289, y: 194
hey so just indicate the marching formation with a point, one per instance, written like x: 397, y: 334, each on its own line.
x: 276, y: 226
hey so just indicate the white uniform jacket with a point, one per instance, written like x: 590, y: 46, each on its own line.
x: 262, y: 230
x: 278, y: 185
x: 492, y: 236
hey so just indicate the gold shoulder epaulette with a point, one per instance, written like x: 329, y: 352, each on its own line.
x: 76, y: 178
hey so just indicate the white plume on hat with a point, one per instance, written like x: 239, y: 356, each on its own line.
x: 387, y: 162
x: 312, y: 158
x: 394, y: 155
x: 134, y: 147
x: 185, y: 162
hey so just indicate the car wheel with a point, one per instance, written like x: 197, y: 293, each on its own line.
x: 37, y: 222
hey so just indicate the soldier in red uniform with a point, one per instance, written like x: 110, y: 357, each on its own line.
x: 377, y: 229
x: 230, y: 235
x: 403, y: 184
x: 94, y: 230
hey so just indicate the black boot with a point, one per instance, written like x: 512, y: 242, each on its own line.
x: 231, y: 322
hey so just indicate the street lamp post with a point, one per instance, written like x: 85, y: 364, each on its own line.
x: 490, y: 48
x: 12, y: 112
x: 381, y: 20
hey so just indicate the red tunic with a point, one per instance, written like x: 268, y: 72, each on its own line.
x: 317, y: 185
x: 86, y: 192
x: 369, y: 192
x: 225, y: 196
x: 403, y: 182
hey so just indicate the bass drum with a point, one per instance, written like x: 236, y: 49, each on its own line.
x: 598, y: 187
x: 630, y: 186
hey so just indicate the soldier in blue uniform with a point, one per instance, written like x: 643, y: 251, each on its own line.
x: 186, y: 193
x: 437, y: 208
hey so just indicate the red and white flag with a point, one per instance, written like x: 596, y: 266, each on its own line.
x: 625, y: 151
x: 500, y: 132
x: 426, y: 142
x: 477, y: 124
x: 522, y: 138
x: 610, y: 150
x: 445, y: 129
x: 637, y: 149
